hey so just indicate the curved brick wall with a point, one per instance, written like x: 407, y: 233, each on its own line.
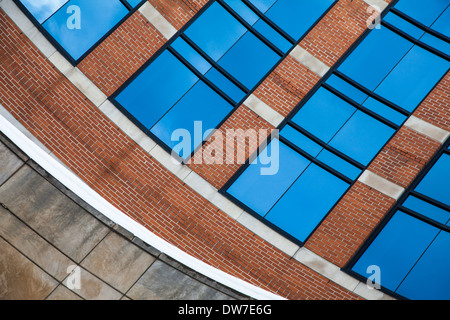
x: 66, y: 109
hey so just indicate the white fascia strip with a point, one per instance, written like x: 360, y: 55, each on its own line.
x: 263, y: 110
x: 82, y: 190
x: 309, y: 61
x: 427, y: 129
x: 384, y: 186
x: 381, y: 4
x: 184, y: 173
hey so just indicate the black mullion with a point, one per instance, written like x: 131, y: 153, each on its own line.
x: 126, y: 4
x: 263, y: 17
x: 327, y: 146
x: 315, y: 161
x: 432, y: 201
x: 361, y: 108
x: 420, y: 25
x: 425, y: 219
x: 215, y: 64
x: 415, y: 41
x: 200, y: 76
x: 372, y: 94
x: 250, y: 28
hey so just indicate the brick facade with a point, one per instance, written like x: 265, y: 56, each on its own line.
x: 43, y: 100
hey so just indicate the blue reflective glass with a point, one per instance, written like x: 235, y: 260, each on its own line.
x: 324, y: 114
x: 404, y: 25
x: 396, y: 249
x: 307, y: 202
x: 273, y: 36
x: 215, y: 31
x: 243, y: 10
x: 427, y: 209
x: 362, y: 137
x: 261, y: 192
x: 134, y: 3
x: 385, y: 111
x: 157, y: 89
x: 441, y: 25
x: 295, y: 17
x: 424, y: 13
x: 192, y: 56
x: 413, y: 78
x: 301, y: 141
x: 377, y: 55
x: 201, y: 103
x: 229, y: 88
x: 436, y: 43
x: 347, y: 89
x: 249, y: 60
x: 263, y: 5
x: 430, y: 277
x: 96, y: 20
x: 42, y: 10
x: 339, y: 164
x: 436, y: 184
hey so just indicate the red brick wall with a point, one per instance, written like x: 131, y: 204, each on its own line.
x: 122, y: 53
x: 436, y: 107
x: 71, y: 127
x: 404, y: 157
x: 285, y: 87
x: 97, y: 151
x: 337, y: 31
x: 218, y: 174
x: 178, y: 12
x: 349, y: 224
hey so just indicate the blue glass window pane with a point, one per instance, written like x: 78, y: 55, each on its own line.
x: 215, y: 31
x: 430, y: 278
x: 96, y: 20
x: 263, y: 5
x: 307, y: 202
x: 436, y: 183
x: 442, y: 25
x: 377, y: 55
x: 424, y: 13
x: 427, y: 209
x: 436, y: 43
x: 229, y: 88
x: 273, y: 36
x: 157, y: 89
x: 301, y: 141
x: 249, y: 60
x: 134, y: 3
x: 395, y: 250
x: 385, y: 111
x: 41, y: 11
x: 261, y: 192
x: 243, y: 10
x: 295, y: 17
x: 362, y: 137
x: 347, y: 89
x: 324, y: 114
x: 201, y: 103
x: 192, y: 56
x: 404, y: 25
x: 413, y: 78
x: 339, y: 164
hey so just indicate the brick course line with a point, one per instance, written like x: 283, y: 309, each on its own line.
x: 279, y: 284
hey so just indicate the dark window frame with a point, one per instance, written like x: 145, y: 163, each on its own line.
x: 65, y: 54
x: 444, y: 149
x: 288, y: 121
x: 180, y: 34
